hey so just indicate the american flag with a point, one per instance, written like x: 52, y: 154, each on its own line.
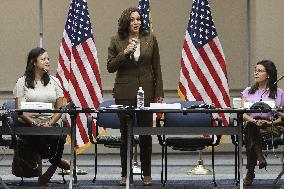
x: 144, y: 7
x: 78, y: 66
x: 203, y: 74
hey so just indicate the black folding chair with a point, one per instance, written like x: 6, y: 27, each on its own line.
x: 111, y: 121
x: 186, y: 143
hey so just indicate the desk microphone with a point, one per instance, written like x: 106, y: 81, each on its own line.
x: 266, y: 90
x: 45, y: 71
x: 64, y: 91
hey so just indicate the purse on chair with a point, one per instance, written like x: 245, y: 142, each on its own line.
x: 26, y: 162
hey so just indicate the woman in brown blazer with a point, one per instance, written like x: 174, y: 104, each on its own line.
x: 134, y: 55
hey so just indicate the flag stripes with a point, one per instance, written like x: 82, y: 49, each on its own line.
x: 203, y: 74
x: 78, y: 66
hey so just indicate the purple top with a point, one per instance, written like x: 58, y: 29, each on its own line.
x: 279, y: 100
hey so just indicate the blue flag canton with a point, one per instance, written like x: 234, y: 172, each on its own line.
x: 144, y: 8
x: 201, y: 27
x: 78, y: 25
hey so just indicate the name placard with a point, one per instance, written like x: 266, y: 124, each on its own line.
x: 36, y: 105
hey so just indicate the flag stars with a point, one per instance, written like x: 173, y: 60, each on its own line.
x: 201, y: 26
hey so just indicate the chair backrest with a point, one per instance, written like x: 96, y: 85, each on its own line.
x: 108, y: 120
x: 188, y: 119
x: 9, y: 105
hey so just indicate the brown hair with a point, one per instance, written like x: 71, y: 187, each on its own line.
x: 271, y: 70
x: 124, y: 22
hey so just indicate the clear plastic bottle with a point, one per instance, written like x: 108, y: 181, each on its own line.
x: 140, y: 98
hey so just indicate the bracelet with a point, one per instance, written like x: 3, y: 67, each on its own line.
x: 34, y: 123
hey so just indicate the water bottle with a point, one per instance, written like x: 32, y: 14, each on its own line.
x: 140, y: 98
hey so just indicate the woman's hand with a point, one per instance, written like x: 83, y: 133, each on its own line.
x: 46, y: 124
x: 263, y: 123
x: 131, y: 47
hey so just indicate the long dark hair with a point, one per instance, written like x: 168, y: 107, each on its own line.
x: 124, y: 22
x: 271, y: 71
x: 30, y: 68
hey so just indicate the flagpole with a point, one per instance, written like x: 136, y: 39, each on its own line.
x: 40, y: 24
x: 248, y: 44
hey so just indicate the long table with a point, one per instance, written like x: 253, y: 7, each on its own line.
x: 228, y: 130
x: 132, y: 130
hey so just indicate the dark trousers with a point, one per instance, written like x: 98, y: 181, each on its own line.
x: 48, y: 146
x: 253, y: 140
x: 145, y: 141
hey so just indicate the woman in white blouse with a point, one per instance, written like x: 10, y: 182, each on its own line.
x: 38, y: 86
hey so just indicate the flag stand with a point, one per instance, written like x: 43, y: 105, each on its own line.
x: 40, y: 23
x: 199, y: 169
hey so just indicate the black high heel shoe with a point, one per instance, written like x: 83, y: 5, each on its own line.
x: 259, y: 156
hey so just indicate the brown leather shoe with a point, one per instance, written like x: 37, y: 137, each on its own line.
x: 63, y: 164
x: 147, y: 181
x: 122, y: 181
x: 249, y: 178
x: 45, y: 178
x: 259, y: 155
x: 262, y: 164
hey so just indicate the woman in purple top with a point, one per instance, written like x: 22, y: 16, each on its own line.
x: 259, y: 125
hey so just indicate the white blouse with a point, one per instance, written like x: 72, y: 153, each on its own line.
x: 137, y: 51
x: 40, y: 93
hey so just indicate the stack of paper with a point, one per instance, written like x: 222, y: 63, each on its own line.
x: 176, y: 106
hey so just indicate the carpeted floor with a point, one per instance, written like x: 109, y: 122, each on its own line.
x: 178, y: 165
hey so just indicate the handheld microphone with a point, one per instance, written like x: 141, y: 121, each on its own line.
x: 266, y: 90
x: 44, y: 70
x: 134, y: 41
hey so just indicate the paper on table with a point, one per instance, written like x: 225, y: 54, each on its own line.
x: 165, y: 106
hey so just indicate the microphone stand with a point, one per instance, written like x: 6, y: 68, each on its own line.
x: 73, y: 117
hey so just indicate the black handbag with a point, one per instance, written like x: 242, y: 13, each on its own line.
x: 26, y: 163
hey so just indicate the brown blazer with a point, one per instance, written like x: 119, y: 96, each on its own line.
x: 146, y: 72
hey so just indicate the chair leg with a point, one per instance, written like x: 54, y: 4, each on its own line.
x: 96, y: 163
x: 213, y: 166
x: 63, y: 178
x: 162, y: 172
x: 21, y: 182
x: 237, y: 173
x: 166, y: 165
x: 281, y: 173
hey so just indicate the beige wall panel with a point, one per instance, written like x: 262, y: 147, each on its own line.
x: 268, y: 32
x: 170, y: 19
x: 18, y: 33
